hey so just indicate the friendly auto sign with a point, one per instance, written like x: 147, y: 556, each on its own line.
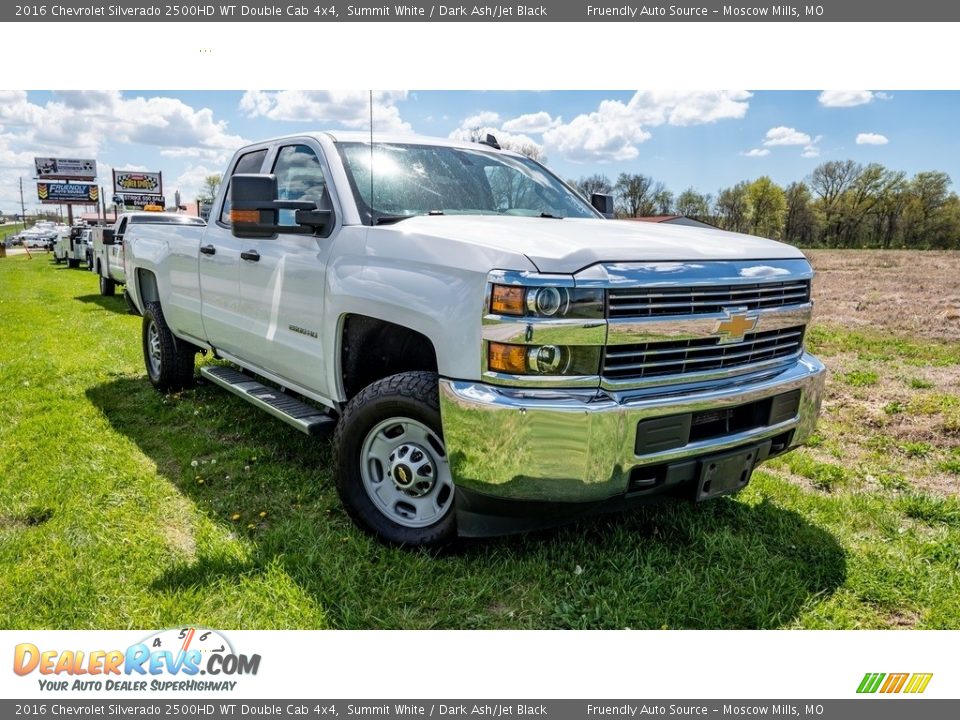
x: 65, y: 168
x: 135, y: 181
x: 59, y: 193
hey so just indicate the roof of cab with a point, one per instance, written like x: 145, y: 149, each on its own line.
x: 360, y: 136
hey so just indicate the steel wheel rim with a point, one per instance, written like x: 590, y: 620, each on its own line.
x: 397, y: 484
x: 153, y: 349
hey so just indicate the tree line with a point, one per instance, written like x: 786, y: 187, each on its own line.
x: 841, y: 204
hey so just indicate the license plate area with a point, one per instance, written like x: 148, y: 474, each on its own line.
x: 727, y: 473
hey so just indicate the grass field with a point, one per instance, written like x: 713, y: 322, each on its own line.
x: 121, y: 507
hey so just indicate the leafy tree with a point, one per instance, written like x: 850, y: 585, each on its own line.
x: 635, y: 194
x: 768, y: 207
x: 733, y: 208
x: 211, y: 185
x: 800, y: 226
x: 693, y: 204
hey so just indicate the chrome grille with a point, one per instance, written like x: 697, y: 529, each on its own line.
x: 646, y: 302
x: 678, y: 357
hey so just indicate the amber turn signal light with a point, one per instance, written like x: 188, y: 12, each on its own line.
x: 245, y: 217
x: 507, y: 300
x: 505, y: 358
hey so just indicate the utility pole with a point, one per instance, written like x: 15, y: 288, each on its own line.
x: 23, y: 215
x: 23, y: 210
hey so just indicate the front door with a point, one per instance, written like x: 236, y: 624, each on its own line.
x: 219, y: 264
x: 282, y: 278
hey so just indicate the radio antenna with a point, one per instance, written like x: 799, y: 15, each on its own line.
x: 371, y: 159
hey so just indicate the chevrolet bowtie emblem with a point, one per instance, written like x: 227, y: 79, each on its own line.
x: 401, y: 474
x: 735, y: 325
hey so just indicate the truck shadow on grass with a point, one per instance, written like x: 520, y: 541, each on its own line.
x: 725, y: 564
x: 113, y: 303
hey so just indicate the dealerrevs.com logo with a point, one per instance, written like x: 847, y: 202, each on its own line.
x: 892, y: 683
x: 181, y: 659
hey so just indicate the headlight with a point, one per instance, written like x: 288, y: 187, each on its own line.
x: 546, y: 302
x: 543, y: 359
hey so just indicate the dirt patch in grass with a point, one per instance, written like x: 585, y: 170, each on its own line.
x: 913, y: 294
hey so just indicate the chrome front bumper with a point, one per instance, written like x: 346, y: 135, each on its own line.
x: 578, y: 446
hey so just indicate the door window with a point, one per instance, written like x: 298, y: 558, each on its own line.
x: 251, y: 162
x: 299, y: 177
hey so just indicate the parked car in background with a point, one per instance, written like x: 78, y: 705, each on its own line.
x: 72, y: 247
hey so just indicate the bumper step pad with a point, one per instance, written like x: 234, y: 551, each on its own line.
x: 305, y: 418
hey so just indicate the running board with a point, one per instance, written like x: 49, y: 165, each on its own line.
x: 305, y: 418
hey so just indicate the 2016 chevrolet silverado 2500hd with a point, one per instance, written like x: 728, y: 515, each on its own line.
x: 495, y: 353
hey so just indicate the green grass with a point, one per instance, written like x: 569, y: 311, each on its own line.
x: 121, y: 507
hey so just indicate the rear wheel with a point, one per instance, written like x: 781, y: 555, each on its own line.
x: 392, y: 470
x: 107, y: 286
x: 169, y: 361
x: 73, y: 263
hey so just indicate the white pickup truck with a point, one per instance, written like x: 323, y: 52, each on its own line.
x: 108, y: 246
x: 494, y: 352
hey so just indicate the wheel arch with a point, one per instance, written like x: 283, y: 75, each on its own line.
x: 371, y: 348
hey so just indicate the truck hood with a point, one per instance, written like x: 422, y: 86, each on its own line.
x: 569, y: 245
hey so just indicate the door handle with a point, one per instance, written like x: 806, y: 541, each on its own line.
x: 251, y: 255
x: 208, y: 250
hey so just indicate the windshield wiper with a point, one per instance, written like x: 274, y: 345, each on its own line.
x: 390, y: 219
x: 551, y: 217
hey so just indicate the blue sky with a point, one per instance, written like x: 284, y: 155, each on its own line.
x: 703, y: 139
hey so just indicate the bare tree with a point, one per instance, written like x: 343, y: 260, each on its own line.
x: 591, y: 184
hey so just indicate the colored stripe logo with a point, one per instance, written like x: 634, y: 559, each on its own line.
x: 913, y: 683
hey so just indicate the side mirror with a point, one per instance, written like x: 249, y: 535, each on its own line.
x: 108, y: 236
x: 603, y: 203
x: 254, y: 209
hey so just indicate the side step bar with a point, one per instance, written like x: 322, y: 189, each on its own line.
x: 305, y: 418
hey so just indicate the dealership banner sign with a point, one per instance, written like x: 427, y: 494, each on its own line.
x: 65, y: 168
x: 59, y: 193
x: 142, y: 183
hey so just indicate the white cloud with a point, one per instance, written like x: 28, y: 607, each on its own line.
x: 80, y: 123
x: 537, y: 122
x: 347, y: 108
x: 848, y: 98
x: 485, y: 118
x: 613, y: 131
x: 190, y: 181
x: 812, y: 150
x: 782, y: 135
x: 872, y: 139
x: 756, y: 152
x: 468, y: 130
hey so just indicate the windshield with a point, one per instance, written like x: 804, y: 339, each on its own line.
x: 422, y: 179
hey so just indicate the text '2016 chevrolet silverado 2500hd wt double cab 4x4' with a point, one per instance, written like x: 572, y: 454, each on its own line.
x: 495, y: 353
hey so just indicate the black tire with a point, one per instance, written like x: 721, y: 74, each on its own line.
x: 73, y: 263
x: 107, y: 286
x: 412, y: 395
x: 57, y: 259
x: 174, y: 367
x: 89, y: 262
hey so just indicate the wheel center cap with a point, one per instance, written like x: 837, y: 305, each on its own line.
x: 412, y: 470
x: 402, y: 475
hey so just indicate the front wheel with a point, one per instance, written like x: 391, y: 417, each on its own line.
x: 392, y: 470
x: 169, y: 361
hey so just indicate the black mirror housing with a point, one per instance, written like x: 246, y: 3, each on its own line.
x: 109, y: 237
x: 603, y: 203
x: 254, y: 209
